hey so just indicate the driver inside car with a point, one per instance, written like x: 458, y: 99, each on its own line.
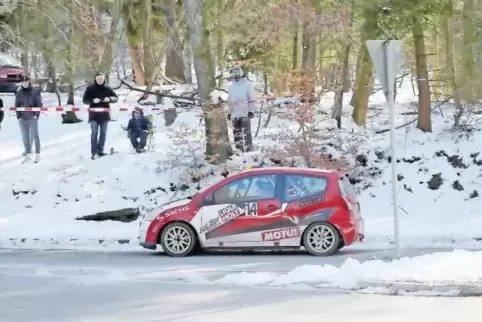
x: 265, y: 188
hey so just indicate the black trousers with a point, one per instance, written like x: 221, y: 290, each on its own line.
x: 243, y: 139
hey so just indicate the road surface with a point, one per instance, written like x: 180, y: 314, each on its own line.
x: 68, y: 286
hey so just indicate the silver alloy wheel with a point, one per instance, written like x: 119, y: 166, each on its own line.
x: 321, y: 238
x: 177, y: 239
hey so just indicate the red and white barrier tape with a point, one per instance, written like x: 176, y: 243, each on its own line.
x: 274, y: 100
x: 78, y: 109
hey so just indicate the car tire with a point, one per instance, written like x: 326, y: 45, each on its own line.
x: 319, y: 233
x: 178, y: 239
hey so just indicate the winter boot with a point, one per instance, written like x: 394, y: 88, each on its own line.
x: 37, y: 158
x: 26, y: 159
x: 92, y: 157
x: 101, y: 154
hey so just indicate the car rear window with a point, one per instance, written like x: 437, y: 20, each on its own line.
x: 345, y: 187
x: 302, y: 186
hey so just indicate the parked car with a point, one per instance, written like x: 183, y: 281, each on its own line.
x: 263, y: 208
x: 11, y: 72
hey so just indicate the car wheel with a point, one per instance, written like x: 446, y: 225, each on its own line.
x: 178, y: 239
x: 321, y: 239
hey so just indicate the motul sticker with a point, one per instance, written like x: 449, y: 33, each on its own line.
x: 279, y: 234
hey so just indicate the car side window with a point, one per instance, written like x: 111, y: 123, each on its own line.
x: 302, y: 186
x: 256, y: 187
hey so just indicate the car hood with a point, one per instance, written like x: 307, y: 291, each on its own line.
x: 10, y: 70
x: 152, y: 213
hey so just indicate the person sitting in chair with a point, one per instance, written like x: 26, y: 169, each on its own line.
x: 138, y: 129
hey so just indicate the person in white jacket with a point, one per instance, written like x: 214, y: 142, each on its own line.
x: 240, y: 109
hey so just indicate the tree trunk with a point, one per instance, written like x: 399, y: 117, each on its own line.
x: 111, y: 41
x: 187, y: 58
x: 174, y: 60
x: 468, y: 87
x: 308, y: 64
x: 295, y: 47
x: 424, y: 111
x: 147, y: 43
x: 217, y: 140
x: 450, y: 62
x: 337, y: 110
x: 70, y: 70
x: 22, y: 31
x: 321, y: 53
x: 358, y: 68
x: 364, y: 75
x: 135, y: 51
x: 220, y: 43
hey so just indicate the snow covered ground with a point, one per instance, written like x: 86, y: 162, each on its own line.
x: 40, y: 202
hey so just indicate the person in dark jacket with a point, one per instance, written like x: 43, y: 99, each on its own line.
x: 27, y: 96
x: 1, y: 113
x: 138, y: 129
x: 99, y: 95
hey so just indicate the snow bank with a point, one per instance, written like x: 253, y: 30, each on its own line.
x: 456, y: 268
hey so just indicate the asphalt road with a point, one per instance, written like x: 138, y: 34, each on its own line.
x: 65, y: 286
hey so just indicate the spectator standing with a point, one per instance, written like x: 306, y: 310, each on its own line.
x: 99, y: 95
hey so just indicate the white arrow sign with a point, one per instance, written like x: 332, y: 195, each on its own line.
x: 387, y: 58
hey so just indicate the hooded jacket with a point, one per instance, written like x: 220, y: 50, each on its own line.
x: 28, y: 97
x: 1, y: 112
x: 240, y: 92
x: 136, y: 126
x: 100, y: 91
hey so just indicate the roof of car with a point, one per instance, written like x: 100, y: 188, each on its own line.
x: 294, y: 170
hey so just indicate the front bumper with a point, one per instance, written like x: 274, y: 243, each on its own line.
x: 150, y: 246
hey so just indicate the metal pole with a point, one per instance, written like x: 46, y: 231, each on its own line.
x: 391, y: 107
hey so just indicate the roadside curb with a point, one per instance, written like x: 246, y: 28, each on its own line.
x: 399, y: 288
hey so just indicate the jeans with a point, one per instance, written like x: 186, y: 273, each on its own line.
x: 29, y: 131
x: 136, y: 143
x: 97, y: 137
x: 242, y: 133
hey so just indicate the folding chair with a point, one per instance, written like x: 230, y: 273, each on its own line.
x: 150, y: 136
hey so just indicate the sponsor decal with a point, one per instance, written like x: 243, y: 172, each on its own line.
x: 309, y: 202
x: 280, y: 234
x: 291, y: 192
x: 177, y: 210
x: 173, y: 212
x: 223, y: 216
x: 229, y: 213
x: 210, y: 225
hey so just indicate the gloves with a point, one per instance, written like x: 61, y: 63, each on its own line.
x: 96, y: 100
x: 107, y: 99
x: 250, y: 115
x: 229, y: 117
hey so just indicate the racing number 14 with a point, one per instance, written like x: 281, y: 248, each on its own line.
x: 251, y: 209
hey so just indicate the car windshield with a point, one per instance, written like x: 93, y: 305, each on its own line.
x: 8, y: 61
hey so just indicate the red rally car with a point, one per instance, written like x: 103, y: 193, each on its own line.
x: 264, y: 208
